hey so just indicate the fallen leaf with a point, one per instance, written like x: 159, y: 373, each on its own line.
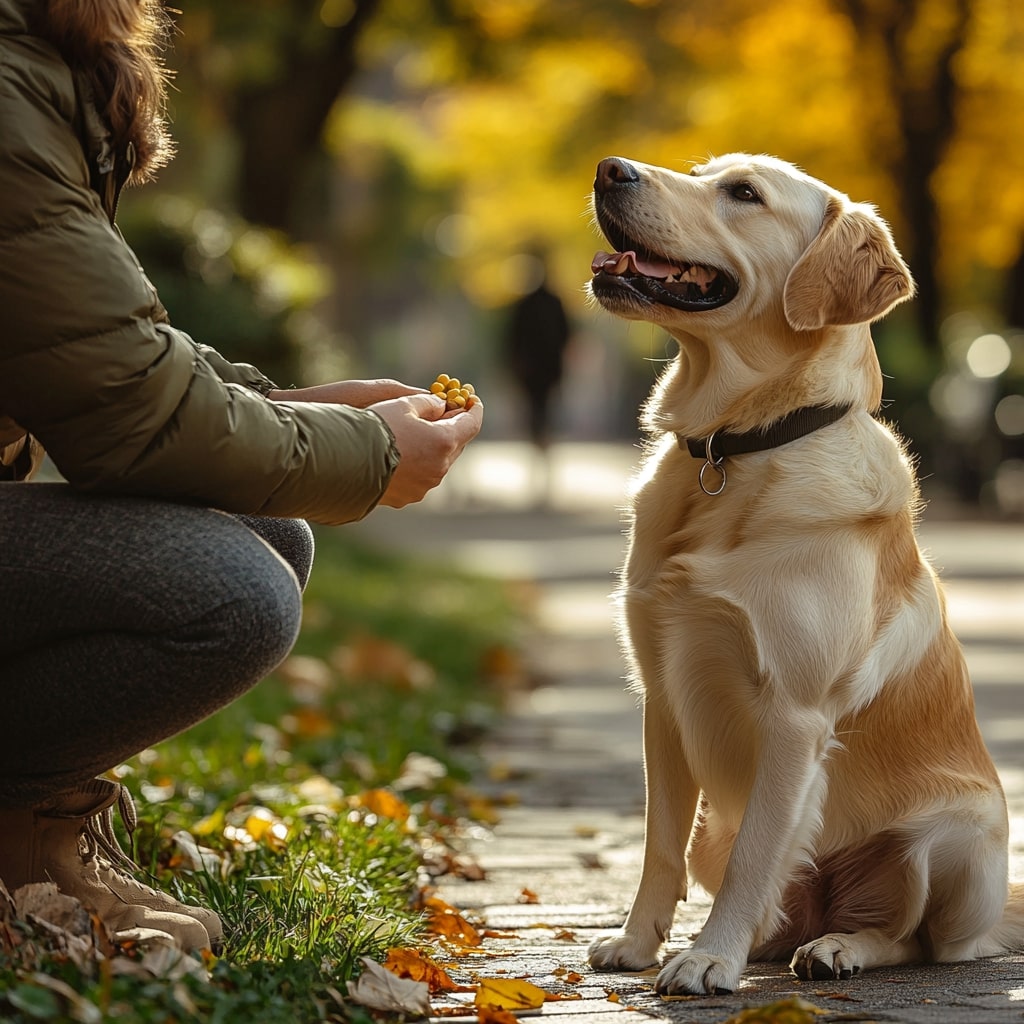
x: 564, y: 935
x: 409, y: 963
x: 316, y: 789
x: 419, y: 771
x: 527, y: 896
x: 446, y: 921
x: 383, y: 803
x: 308, y: 678
x: 308, y: 722
x: 573, y: 978
x: 493, y: 1015
x: 785, y: 1011
x: 379, y: 989
x: 262, y: 824
x: 80, y: 1009
x: 382, y: 660
x: 509, y: 994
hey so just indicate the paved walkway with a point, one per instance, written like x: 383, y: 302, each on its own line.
x: 569, y: 751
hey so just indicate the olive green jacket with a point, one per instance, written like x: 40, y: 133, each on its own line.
x: 91, y: 369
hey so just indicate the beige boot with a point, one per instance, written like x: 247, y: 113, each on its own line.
x: 69, y: 840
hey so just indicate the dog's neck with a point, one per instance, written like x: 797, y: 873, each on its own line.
x: 717, y: 384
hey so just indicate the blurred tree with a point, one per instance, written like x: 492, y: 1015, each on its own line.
x: 271, y: 71
x: 908, y: 52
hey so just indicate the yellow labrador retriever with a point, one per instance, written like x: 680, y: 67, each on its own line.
x: 811, y: 750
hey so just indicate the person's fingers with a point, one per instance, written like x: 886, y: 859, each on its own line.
x: 426, y: 406
x: 470, y: 420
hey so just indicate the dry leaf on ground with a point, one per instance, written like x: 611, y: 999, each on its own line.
x: 509, y: 994
x: 446, y: 921
x: 379, y: 989
x: 785, y: 1011
x: 409, y: 963
x: 383, y: 803
x: 493, y: 1015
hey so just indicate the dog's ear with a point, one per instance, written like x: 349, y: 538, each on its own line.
x: 850, y: 274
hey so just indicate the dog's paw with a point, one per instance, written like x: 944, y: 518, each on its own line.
x: 622, y: 953
x: 698, y: 974
x: 831, y: 956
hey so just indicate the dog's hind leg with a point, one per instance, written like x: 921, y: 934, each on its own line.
x: 939, y: 894
x: 671, y: 804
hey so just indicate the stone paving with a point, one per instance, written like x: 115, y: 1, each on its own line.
x: 562, y: 863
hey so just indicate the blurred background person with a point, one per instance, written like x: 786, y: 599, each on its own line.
x: 536, y: 336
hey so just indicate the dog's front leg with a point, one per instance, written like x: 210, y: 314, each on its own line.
x: 671, y: 803
x: 777, y: 825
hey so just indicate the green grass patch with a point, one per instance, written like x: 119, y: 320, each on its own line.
x: 302, y: 812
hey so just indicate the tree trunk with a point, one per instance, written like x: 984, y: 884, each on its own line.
x: 280, y: 123
x: 924, y: 101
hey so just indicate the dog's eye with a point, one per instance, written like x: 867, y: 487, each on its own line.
x: 744, y: 192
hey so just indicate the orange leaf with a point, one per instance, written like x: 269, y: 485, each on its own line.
x: 408, y: 963
x: 450, y: 924
x: 384, y: 804
x: 493, y: 1015
x: 527, y: 896
x: 509, y: 994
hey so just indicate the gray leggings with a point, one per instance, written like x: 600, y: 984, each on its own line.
x: 124, y: 621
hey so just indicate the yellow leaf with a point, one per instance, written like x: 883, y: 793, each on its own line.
x: 785, y: 1011
x: 509, y: 994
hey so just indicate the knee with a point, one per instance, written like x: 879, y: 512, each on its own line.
x: 248, y: 618
x: 263, y: 623
x: 292, y: 539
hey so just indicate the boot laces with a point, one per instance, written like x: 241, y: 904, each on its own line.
x: 100, y: 837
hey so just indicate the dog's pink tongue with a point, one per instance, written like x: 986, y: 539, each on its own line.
x: 618, y: 263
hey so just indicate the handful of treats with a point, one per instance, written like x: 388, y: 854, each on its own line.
x: 455, y: 394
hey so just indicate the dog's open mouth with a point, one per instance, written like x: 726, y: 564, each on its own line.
x: 637, y: 272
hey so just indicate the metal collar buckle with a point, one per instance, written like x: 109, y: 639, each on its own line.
x: 711, y: 461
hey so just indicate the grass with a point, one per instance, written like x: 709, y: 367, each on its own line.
x: 305, y: 812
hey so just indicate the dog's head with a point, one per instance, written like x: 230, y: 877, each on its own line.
x: 740, y: 237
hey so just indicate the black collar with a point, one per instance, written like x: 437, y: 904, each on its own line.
x: 798, y: 423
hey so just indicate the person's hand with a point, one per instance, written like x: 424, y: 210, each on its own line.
x: 429, y: 440
x: 358, y: 393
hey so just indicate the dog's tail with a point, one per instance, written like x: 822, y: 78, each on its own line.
x: 1008, y: 935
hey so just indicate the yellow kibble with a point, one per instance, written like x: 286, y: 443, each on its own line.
x: 456, y: 394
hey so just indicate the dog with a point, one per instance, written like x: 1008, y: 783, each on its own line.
x: 811, y: 751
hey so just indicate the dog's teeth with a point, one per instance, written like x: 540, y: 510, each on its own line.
x: 621, y: 264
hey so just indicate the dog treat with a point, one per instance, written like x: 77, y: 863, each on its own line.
x: 456, y: 394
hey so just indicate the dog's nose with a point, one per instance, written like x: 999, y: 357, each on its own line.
x: 612, y: 172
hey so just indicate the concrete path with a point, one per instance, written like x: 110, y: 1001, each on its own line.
x: 562, y: 864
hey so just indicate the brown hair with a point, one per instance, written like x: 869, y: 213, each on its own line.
x: 118, y: 45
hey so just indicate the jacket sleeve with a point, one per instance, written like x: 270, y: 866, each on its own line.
x: 122, y: 402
